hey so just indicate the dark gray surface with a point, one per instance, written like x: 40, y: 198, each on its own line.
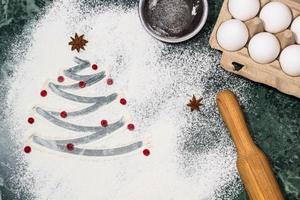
x: 273, y: 117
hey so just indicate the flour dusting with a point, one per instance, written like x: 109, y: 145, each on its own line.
x: 192, y: 156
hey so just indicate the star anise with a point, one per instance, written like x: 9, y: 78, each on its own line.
x: 78, y: 42
x: 195, y: 103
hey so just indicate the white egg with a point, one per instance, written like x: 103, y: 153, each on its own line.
x: 290, y: 60
x: 264, y: 48
x: 243, y: 9
x: 232, y: 35
x: 295, y: 27
x: 276, y: 17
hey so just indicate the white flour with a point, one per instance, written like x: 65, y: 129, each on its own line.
x: 191, y: 157
x: 169, y: 17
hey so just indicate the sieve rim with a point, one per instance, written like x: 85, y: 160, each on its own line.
x: 167, y: 39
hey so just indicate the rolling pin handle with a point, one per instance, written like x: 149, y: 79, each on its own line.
x: 235, y: 121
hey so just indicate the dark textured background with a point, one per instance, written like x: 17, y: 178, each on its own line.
x: 273, y: 117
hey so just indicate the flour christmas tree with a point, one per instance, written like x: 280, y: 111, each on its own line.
x: 90, y: 134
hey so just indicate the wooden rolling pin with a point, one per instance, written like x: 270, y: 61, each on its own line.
x: 253, y: 166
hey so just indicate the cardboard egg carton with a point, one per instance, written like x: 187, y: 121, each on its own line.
x: 239, y: 62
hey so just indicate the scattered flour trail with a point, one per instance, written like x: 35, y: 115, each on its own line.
x: 157, y: 82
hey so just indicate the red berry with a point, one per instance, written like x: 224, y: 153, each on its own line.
x: 109, y: 81
x: 94, y: 67
x: 70, y: 147
x: 27, y: 149
x: 146, y: 152
x: 30, y: 120
x: 43, y: 93
x: 123, y: 101
x: 130, y: 127
x: 63, y: 114
x: 60, y: 79
x: 82, y: 84
x: 104, y: 123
